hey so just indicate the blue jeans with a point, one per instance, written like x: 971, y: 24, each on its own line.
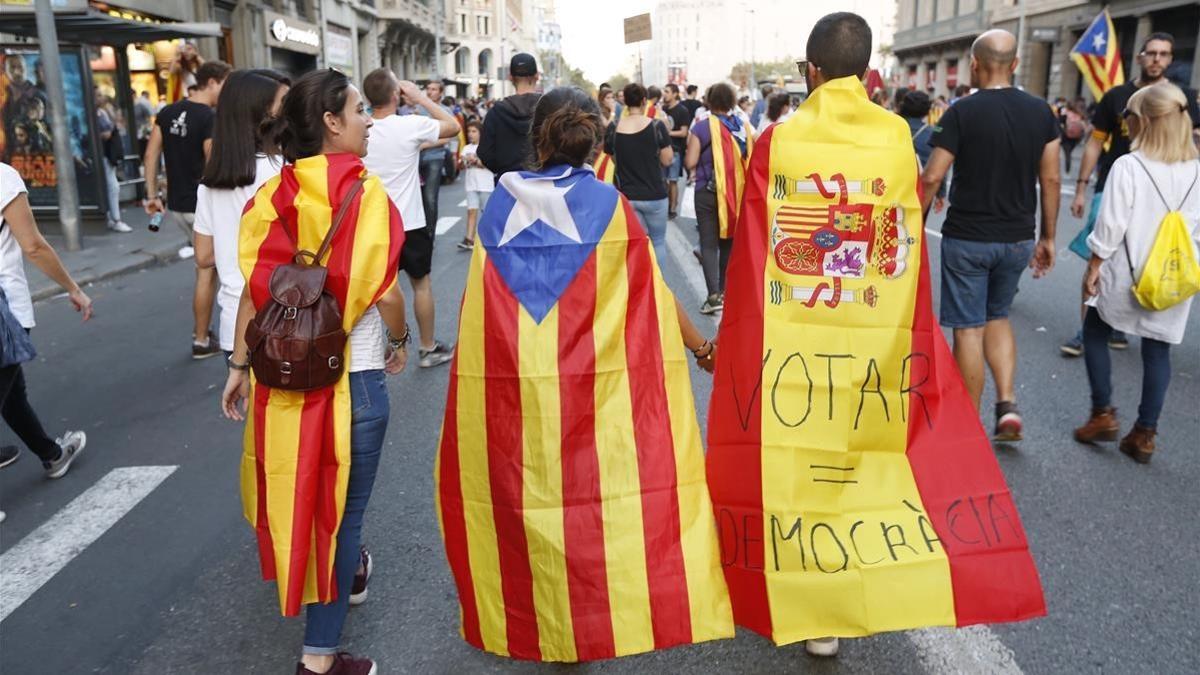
x: 1156, y: 369
x: 979, y: 280
x: 369, y: 419
x: 431, y: 175
x: 653, y: 214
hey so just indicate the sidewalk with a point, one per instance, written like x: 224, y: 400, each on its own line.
x: 106, y: 253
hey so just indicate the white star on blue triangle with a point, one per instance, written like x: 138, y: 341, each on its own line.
x: 540, y: 227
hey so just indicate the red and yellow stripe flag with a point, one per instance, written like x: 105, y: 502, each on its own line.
x: 296, y: 458
x: 854, y: 488
x: 606, y: 167
x: 570, y: 480
x: 729, y: 172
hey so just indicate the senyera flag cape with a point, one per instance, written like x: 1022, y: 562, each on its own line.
x: 570, y: 479
x: 606, y: 167
x: 854, y: 488
x: 296, y: 458
x: 729, y: 172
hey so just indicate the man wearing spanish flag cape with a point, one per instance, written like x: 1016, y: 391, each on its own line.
x: 570, y: 478
x: 854, y: 489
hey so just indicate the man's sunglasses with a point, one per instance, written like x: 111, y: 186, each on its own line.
x: 1157, y: 55
x: 802, y: 65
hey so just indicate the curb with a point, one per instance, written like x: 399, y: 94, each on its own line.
x: 133, y: 261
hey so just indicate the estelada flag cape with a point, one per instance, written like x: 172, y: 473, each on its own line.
x: 854, y: 488
x: 570, y: 480
x: 296, y: 450
x: 729, y: 172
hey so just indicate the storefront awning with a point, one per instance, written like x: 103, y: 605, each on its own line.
x: 96, y: 27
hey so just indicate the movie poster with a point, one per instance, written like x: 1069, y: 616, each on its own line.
x: 26, y: 137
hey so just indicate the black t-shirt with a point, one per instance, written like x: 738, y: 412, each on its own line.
x: 1107, y: 119
x: 692, y: 105
x: 185, y: 126
x: 997, y: 137
x: 639, y: 173
x: 681, y: 118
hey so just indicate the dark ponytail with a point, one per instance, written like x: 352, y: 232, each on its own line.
x: 566, y: 127
x: 240, y: 131
x: 302, y: 116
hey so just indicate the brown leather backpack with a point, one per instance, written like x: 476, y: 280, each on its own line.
x: 296, y: 340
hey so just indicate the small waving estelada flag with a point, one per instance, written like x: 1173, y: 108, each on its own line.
x: 570, y: 477
x: 606, y: 167
x: 1098, y: 56
x: 296, y: 449
x: 854, y: 489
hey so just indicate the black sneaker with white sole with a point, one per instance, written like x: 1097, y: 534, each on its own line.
x: 8, y: 455
x: 435, y: 356
x: 713, y: 304
x: 206, y: 349
x: 362, y: 576
x: 71, y: 443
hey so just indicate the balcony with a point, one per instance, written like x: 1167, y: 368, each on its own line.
x: 421, y: 14
x: 938, y: 32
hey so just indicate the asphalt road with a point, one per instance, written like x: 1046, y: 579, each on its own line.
x: 172, y: 586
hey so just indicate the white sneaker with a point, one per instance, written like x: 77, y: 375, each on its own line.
x: 822, y: 646
x: 72, y: 444
x: 120, y: 226
x: 186, y: 252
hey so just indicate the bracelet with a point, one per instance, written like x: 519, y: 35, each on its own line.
x: 696, y: 351
x: 237, y: 366
x: 400, y: 342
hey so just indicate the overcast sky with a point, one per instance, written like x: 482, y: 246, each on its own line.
x: 593, y: 34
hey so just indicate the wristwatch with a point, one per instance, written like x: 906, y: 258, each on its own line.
x: 235, y: 365
x: 397, y: 343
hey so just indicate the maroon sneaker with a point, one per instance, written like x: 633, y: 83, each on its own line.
x: 358, y: 592
x: 343, y: 664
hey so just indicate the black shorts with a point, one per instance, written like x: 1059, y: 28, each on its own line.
x: 416, y: 256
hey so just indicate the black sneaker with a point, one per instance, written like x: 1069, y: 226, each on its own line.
x: 1118, y: 340
x: 713, y: 304
x: 8, y: 455
x: 435, y: 356
x: 358, y: 592
x: 72, y: 444
x: 466, y: 244
x: 1008, y: 423
x: 204, y: 351
x: 1074, y: 346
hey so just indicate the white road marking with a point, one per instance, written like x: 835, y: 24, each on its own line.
x: 681, y: 251
x: 445, y: 223
x: 462, y: 204
x: 974, y: 649
x: 34, y: 560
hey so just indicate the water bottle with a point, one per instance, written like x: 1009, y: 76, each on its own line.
x: 156, y: 221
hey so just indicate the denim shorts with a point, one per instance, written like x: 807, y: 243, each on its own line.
x: 979, y: 280
x: 675, y: 170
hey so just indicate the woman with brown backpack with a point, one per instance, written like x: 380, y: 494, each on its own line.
x: 319, y: 247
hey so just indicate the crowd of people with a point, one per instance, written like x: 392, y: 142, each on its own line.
x: 256, y: 160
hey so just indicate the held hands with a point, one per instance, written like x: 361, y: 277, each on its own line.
x: 706, y: 355
x: 236, y: 396
x: 396, y: 360
x: 1043, y: 258
x: 81, y: 302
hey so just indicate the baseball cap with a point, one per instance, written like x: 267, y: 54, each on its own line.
x: 522, y: 65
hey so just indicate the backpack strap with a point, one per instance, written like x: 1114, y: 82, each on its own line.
x: 337, y: 223
x: 918, y: 132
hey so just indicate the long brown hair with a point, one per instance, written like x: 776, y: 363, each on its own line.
x: 566, y: 127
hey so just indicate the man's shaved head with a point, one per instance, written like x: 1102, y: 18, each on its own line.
x: 996, y: 49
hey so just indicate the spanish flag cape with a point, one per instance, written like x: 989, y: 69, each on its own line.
x: 606, y: 167
x: 854, y: 488
x: 729, y: 172
x: 296, y: 457
x: 570, y: 482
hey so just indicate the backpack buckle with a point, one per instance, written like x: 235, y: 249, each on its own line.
x: 334, y: 362
x: 289, y: 313
x: 285, y: 367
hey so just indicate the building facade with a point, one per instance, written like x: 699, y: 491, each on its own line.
x: 933, y: 39
x: 408, y: 36
x: 474, y: 34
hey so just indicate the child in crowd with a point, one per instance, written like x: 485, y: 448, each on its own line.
x: 479, y: 183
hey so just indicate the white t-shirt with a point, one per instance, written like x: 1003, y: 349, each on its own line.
x: 12, y: 261
x: 479, y: 179
x: 393, y: 152
x: 219, y: 215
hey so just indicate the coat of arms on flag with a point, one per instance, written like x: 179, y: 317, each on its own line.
x: 570, y: 479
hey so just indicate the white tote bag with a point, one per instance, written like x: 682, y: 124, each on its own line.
x: 687, y: 202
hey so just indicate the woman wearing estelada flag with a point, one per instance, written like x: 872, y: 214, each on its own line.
x: 570, y: 482
x: 310, y: 456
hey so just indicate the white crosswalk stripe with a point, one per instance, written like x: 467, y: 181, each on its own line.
x: 34, y: 560
x: 446, y: 223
